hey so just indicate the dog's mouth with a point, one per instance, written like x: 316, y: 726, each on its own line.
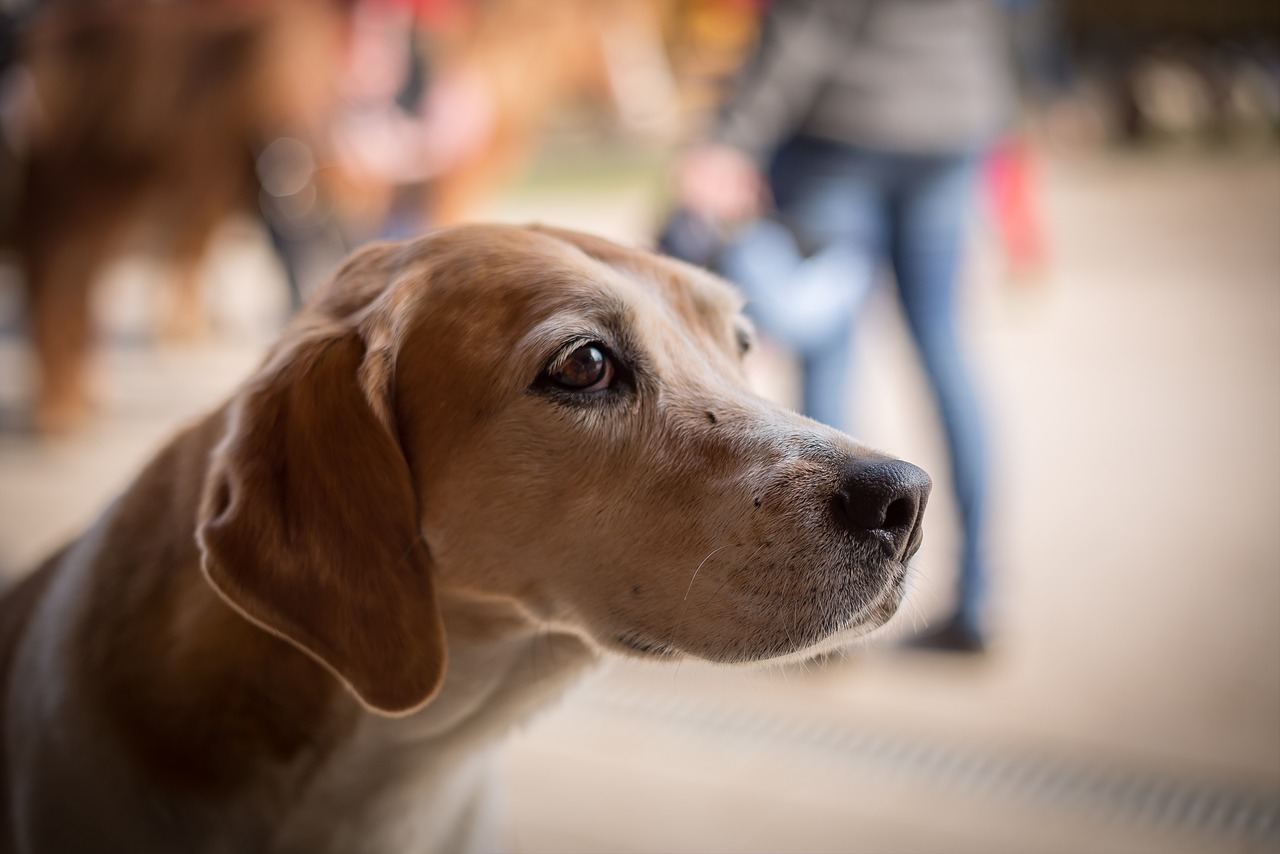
x: 839, y: 626
x: 820, y: 626
x: 882, y: 609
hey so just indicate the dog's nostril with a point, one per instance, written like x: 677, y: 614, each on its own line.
x: 901, y: 511
x: 883, y: 495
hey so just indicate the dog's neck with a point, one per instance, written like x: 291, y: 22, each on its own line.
x: 501, y: 665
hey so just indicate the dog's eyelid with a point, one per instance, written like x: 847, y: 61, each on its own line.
x: 588, y: 369
x: 611, y: 338
x: 572, y: 346
x: 619, y: 374
x: 565, y: 353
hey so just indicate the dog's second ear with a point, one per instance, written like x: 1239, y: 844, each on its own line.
x: 309, y: 526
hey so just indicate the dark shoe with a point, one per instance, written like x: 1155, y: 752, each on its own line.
x: 955, y: 635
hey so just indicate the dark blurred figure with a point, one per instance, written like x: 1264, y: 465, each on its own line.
x: 1192, y: 57
x: 864, y: 120
x: 127, y: 114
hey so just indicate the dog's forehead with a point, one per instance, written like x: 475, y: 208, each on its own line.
x: 506, y: 281
x: 630, y: 280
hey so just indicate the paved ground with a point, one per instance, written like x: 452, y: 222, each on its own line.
x: 1133, y: 702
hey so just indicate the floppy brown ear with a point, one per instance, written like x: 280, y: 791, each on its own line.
x: 309, y: 526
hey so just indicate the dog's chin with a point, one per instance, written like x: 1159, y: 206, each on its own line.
x: 788, y: 645
x: 865, y: 623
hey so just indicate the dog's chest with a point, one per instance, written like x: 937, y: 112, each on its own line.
x: 392, y: 797
x: 432, y: 781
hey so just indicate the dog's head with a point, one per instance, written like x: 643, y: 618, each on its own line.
x: 551, y: 419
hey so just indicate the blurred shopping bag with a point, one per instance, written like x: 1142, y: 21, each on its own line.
x: 803, y: 300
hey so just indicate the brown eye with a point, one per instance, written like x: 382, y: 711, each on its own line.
x: 586, y: 369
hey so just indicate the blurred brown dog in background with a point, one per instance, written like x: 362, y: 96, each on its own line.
x: 146, y: 116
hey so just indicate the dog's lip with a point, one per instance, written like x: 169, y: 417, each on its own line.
x: 875, y: 613
x: 642, y: 644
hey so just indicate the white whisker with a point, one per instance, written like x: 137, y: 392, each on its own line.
x: 700, y: 565
x: 685, y: 607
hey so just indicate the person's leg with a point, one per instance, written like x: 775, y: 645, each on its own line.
x: 926, y: 242
x: 831, y: 208
x: 824, y: 379
x: 805, y: 304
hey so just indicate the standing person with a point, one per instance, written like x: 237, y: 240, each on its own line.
x: 863, y: 120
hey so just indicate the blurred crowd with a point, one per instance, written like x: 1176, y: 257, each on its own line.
x: 338, y: 121
x: 819, y: 153
x: 811, y: 144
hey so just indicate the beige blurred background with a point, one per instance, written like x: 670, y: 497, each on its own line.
x: 1131, y: 698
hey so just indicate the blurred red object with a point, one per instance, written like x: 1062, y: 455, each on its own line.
x: 1011, y: 187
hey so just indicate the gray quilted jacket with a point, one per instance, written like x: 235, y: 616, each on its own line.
x: 915, y: 76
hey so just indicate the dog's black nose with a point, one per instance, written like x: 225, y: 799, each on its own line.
x: 885, y: 498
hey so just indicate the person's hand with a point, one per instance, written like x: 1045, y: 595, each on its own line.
x: 720, y: 182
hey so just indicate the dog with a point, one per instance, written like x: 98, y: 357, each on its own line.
x: 144, y: 117
x: 474, y: 463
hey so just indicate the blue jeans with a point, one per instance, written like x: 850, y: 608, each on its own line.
x: 842, y: 212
